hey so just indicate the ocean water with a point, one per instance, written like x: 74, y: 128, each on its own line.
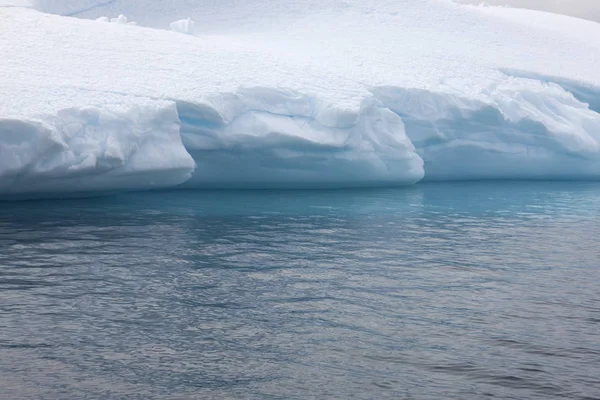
x: 437, y: 291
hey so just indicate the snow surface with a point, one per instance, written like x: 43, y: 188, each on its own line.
x: 293, y: 94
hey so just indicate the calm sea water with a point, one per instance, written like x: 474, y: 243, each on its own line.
x: 438, y: 291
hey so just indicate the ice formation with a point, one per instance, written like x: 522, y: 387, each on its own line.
x: 131, y: 145
x: 293, y: 94
x: 185, y: 26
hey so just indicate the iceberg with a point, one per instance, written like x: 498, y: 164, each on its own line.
x: 288, y: 94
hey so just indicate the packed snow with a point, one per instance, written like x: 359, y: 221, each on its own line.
x: 289, y: 94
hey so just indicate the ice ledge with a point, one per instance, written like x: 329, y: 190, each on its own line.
x: 84, y: 149
x: 513, y: 128
x: 273, y: 138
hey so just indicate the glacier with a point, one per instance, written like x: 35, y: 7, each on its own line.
x: 292, y: 94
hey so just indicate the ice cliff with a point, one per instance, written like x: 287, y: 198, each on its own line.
x: 292, y: 94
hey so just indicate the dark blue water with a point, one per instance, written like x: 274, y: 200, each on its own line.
x: 438, y: 291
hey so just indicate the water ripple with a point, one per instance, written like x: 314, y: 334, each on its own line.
x: 446, y: 291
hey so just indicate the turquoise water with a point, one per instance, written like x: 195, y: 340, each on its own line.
x: 437, y: 291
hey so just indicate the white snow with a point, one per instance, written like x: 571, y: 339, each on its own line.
x: 294, y: 94
x: 121, y: 20
x: 588, y: 9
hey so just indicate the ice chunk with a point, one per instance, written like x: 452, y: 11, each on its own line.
x: 84, y: 149
x: 185, y: 26
x: 516, y: 128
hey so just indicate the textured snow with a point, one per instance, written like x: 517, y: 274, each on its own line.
x: 293, y: 94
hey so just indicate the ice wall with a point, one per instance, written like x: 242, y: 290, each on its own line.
x: 83, y: 149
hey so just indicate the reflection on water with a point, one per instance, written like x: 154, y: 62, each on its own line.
x: 438, y: 291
